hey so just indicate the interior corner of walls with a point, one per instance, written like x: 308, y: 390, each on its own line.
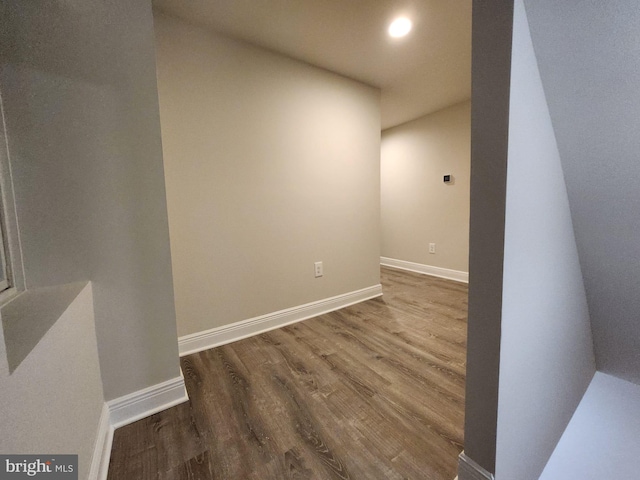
x: 102, y: 447
x: 455, y: 275
x: 546, y: 310
x: 225, y: 125
x: 414, y: 198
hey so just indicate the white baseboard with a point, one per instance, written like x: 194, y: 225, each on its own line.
x: 102, y: 447
x: 470, y: 470
x: 215, y: 337
x: 128, y: 409
x: 456, y: 275
x: 146, y: 402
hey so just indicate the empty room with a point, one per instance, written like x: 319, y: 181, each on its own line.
x: 236, y: 238
x: 296, y: 160
x: 319, y: 239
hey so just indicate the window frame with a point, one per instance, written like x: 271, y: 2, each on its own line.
x: 5, y: 260
x: 10, y: 248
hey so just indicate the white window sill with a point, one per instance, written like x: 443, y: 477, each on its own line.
x: 28, y: 315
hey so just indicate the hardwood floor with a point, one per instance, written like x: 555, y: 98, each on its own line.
x: 372, y: 391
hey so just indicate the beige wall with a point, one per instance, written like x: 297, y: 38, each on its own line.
x: 417, y: 208
x: 51, y: 404
x: 270, y: 165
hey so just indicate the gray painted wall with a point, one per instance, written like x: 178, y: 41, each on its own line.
x: 601, y: 440
x: 52, y: 403
x: 546, y: 353
x: 79, y: 91
x: 590, y: 66
x: 492, y: 24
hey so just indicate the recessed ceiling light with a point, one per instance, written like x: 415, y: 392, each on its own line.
x: 400, y: 27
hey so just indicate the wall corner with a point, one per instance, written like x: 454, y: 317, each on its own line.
x: 470, y: 470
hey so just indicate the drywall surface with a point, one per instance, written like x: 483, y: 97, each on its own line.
x: 602, y: 440
x: 492, y: 26
x: 52, y: 403
x: 590, y: 67
x: 546, y: 353
x: 80, y: 100
x: 417, y: 207
x: 26, y: 317
x: 271, y: 165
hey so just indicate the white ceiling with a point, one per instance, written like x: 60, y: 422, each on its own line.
x: 421, y: 73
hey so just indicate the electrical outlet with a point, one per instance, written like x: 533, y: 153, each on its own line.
x: 318, y: 269
x: 432, y: 248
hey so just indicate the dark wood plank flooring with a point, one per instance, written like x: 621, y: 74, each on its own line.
x: 372, y: 391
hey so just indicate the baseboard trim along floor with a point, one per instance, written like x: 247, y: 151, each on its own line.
x: 470, y: 470
x: 127, y: 409
x: 215, y: 337
x: 363, y: 383
x: 146, y: 402
x: 102, y: 447
x: 456, y: 275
